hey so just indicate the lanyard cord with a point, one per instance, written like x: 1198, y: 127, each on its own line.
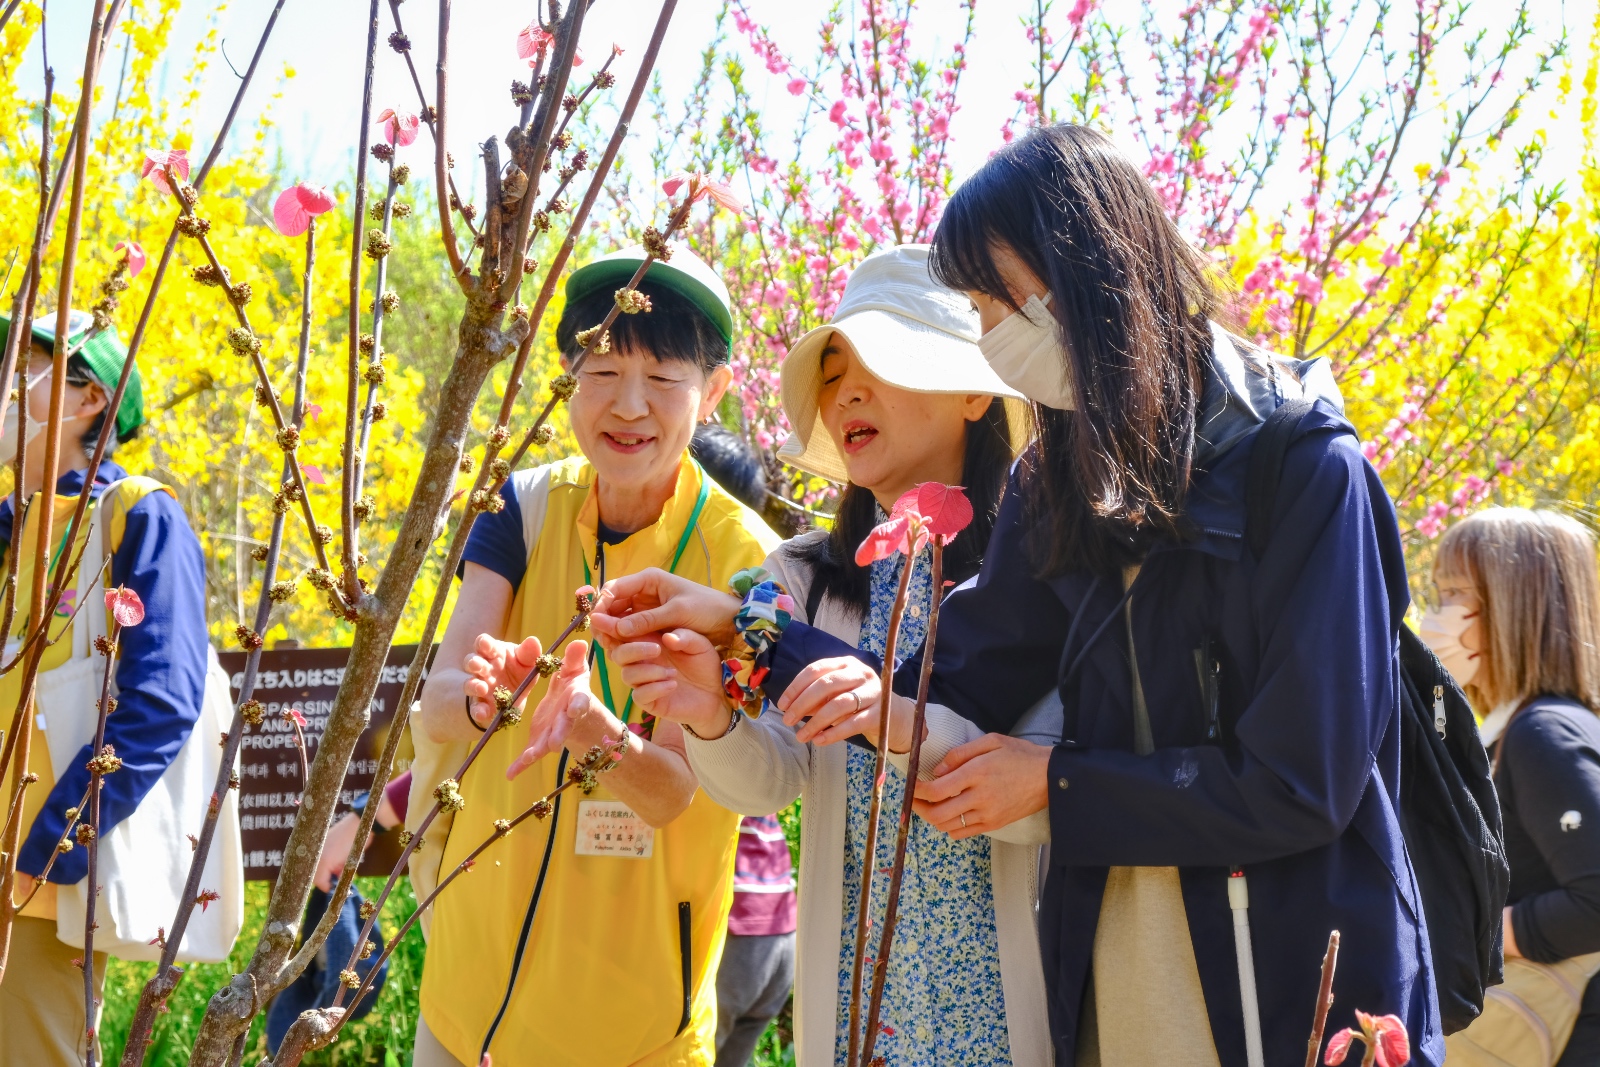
x: 596, y: 653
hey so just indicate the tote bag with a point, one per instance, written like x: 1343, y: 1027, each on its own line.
x: 144, y: 860
x: 1527, y: 1020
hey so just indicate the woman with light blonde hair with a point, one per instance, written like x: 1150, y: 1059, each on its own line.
x: 1516, y: 620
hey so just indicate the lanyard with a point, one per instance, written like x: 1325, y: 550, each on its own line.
x: 599, y: 555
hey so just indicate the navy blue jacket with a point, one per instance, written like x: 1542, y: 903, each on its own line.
x: 1300, y: 783
x: 161, y: 669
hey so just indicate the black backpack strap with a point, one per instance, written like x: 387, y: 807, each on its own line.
x: 1266, y: 469
x: 813, y: 600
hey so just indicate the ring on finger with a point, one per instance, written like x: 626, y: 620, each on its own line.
x: 856, y: 694
x: 963, y: 820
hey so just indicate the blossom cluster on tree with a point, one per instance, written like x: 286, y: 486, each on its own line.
x: 1369, y: 181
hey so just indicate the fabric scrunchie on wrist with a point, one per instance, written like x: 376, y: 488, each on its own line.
x: 760, y: 621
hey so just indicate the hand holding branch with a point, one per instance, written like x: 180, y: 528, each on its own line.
x: 654, y: 601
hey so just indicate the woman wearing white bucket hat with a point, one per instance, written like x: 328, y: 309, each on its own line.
x: 892, y: 392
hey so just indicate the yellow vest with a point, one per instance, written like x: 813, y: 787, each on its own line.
x: 552, y: 958
x: 110, y: 507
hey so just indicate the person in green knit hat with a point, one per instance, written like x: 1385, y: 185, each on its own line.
x: 161, y: 719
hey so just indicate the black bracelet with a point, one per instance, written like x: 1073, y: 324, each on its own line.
x: 733, y: 722
x: 467, y: 702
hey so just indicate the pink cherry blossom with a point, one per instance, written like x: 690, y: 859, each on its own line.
x: 297, y: 205
x: 400, y: 127
x: 797, y: 87
x: 155, y: 162
x: 134, y: 252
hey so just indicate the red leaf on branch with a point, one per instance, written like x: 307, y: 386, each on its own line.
x: 293, y: 715
x: 400, y: 127
x: 1394, y: 1046
x: 295, y: 206
x: 125, y: 606
x: 313, y: 473
x: 944, y: 509
x: 903, y: 533
x: 206, y: 897
x: 1338, y: 1047
x: 157, y: 160
x: 134, y: 252
x: 313, y: 410
x: 700, y: 187
x: 532, y: 40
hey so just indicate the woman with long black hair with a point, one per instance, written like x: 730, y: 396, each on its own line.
x: 1229, y: 717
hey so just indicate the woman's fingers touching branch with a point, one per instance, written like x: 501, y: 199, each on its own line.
x: 654, y: 601
x: 492, y: 664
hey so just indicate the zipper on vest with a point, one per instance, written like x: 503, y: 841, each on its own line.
x: 527, y: 920
x: 685, y: 954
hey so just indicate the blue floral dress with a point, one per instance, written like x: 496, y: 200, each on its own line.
x: 942, y: 1000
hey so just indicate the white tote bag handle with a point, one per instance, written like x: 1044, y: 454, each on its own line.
x: 142, y: 865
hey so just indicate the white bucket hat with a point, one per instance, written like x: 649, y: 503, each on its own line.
x: 907, y: 331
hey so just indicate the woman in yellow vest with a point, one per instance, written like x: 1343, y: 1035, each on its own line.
x: 559, y: 948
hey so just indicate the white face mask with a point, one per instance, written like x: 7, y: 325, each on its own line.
x: 1441, y: 631
x: 8, y: 431
x: 1025, y: 351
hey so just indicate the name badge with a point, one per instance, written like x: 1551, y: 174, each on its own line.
x: 611, y: 828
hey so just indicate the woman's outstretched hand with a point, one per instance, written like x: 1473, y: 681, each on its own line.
x: 984, y: 785
x: 677, y: 676
x: 654, y: 601
x: 568, y: 709
x: 493, y: 664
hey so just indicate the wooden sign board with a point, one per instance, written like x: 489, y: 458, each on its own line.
x: 306, y: 680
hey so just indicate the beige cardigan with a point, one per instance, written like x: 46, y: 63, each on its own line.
x: 759, y: 768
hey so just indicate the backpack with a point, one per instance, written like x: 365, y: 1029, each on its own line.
x: 1449, y: 812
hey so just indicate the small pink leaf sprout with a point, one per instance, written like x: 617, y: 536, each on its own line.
x: 156, y: 162
x: 133, y: 255
x: 1384, y: 1036
x: 532, y: 42
x: 293, y: 715
x: 206, y: 897
x: 400, y: 127
x: 125, y: 606
x: 313, y: 473
x: 297, y: 205
x: 700, y: 187
x: 928, y: 511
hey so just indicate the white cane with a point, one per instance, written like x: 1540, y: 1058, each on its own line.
x: 1239, y: 901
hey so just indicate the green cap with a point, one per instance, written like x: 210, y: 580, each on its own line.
x: 685, y: 274
x: 105, y: 354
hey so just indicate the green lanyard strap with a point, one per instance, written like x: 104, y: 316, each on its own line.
x: 683, y: 543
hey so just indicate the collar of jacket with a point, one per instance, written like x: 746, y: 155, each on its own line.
x: 660, y: 538
x: 1243, y: 385
x: 68, y: 484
